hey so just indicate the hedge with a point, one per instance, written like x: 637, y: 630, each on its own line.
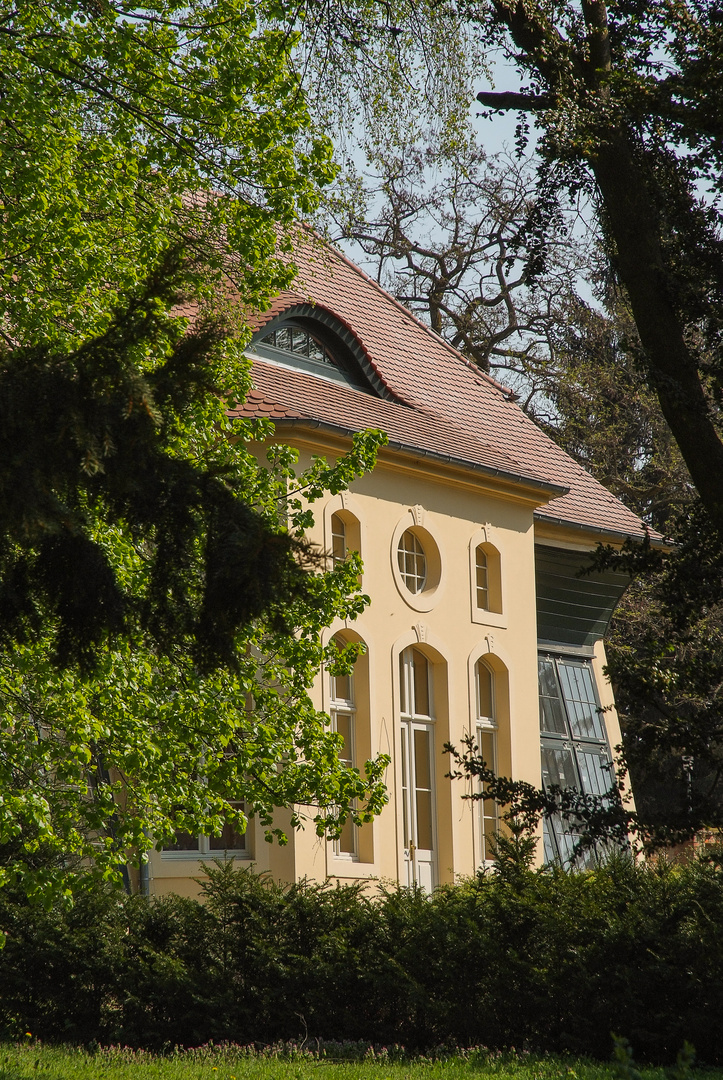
x: 536, y: 960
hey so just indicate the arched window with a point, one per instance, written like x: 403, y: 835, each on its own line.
x: 488, y: 821
x: 412, y: 562
x: 482, y: 579
x: 297, y: 340
x: 338, y: 539
x: 342, y: 709
x: 486, y: 580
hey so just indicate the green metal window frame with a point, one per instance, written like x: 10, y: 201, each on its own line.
x: 574, y: 746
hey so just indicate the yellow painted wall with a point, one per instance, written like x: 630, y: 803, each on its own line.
x: 457, y: 510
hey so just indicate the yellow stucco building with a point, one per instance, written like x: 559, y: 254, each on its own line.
x: 472, y: 529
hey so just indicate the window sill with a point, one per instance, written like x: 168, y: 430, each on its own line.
x: 338, y: 866
x: 489, y: 618
x: 203, y: 856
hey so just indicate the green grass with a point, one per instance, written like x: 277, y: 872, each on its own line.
x: 25, y: 1061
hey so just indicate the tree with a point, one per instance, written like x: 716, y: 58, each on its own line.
x: 96, y: 769
x: 624, y: 97
x: 160, y: 606
x: 115, y: 125
x: 117, y: 121
x: 445, y: 232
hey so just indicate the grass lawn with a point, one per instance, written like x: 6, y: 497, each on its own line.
x: 21, y: 1062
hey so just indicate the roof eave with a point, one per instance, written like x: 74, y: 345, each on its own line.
x: 598, y: 531
x: 551, y: 491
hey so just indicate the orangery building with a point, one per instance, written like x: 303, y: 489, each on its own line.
x: 472, y: 528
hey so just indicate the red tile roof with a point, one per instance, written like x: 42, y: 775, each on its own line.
x: 287, y: 395
x: 451, y: 406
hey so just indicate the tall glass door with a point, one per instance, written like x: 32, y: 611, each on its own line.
x: 417, y: 760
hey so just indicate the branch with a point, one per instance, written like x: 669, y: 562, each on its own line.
x: 510, y: 100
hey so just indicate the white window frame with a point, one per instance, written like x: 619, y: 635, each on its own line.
x: 487, y: 811
x: 338, y: 533
x: 482, y: 565
x: 345, y: 707
x: 411, y: 547
x: 412, y: 720
x: 205, y: 851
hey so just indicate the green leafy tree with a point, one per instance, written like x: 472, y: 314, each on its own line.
x: 151, y: 157
x: 160, y: 606
x: 117, y: 123
x: 97, y: 767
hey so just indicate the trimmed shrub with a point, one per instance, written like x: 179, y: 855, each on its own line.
x: 542, y: 960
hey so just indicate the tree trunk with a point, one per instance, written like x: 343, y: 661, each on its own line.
x: 673, y: 369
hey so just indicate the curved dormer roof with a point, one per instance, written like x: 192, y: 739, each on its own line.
x: 345, y: 359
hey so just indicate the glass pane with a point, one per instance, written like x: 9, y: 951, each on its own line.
x: 489, y: 829
x: 283, y: 338
x: 486, y: 741
x: 299, y: 340
x: 422, y: 763
x: 347, y: 840
x: 565, y: 838
x: 316, y: 352
x: 229, y: 840
x: 552, y: 716
x: 338, y: 539
x: 341, y: 688
x: 343, y: 725
x: 405, y: 788
x: 482, y: 593
x: 424, y: 820
x: 421, y: 684
x: 183, y: 842
x: 579, y: 694
x: 412, y: 562
x: 558, y: 767
x: 403, y: 683
x: 548, y: 838
x: 487, y: 748
x: 595, y: 773
x: 484, y: 691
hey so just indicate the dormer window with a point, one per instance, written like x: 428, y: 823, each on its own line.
x: 310, y: 339
x: 296, y: 339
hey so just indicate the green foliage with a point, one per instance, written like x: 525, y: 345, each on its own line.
x: 150, y: 159
x: 117, y: 121
x: 97, y: 766
x: 665, y: 656
x: 546, y: 959
x: 599, y: 823
x: 160, y: 606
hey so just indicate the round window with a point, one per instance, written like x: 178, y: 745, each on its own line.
x: 412, y: 562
